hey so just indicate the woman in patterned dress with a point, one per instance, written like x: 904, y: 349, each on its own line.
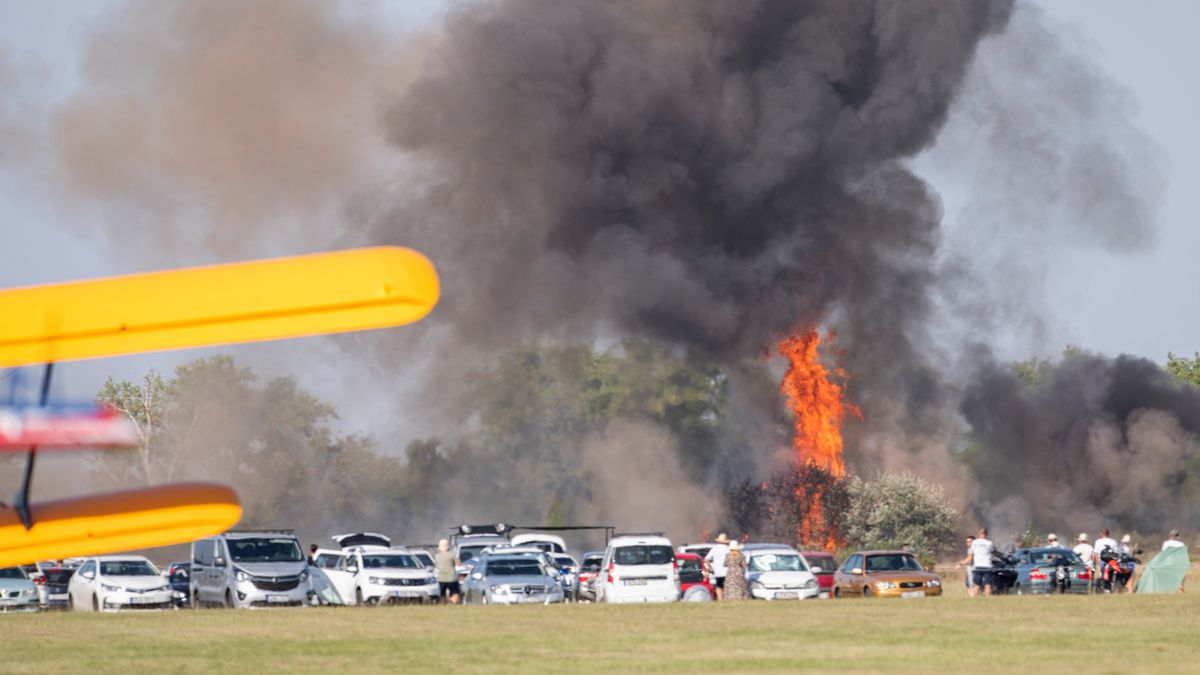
x: 735, y: 573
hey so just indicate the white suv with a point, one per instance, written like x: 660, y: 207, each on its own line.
x: 638, y: 568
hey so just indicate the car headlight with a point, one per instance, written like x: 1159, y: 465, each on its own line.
x: 501, y: 590
x: 158, y: 589
x: 180, y: 595
x: 757, y: 585
x: 884, y: 585
x: 303, y: 575
x: 111, y: 589
x: 375, y: 580
x: 242, y: 576
x: 811, y: 583
x: 30, y: 592
x: 935, y: 583
x: 431, y: 580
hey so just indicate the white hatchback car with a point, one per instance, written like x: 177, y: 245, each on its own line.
x: 638, y: 568
x: 110, y: 583
x: 369, y: 575
x: 779, y: 572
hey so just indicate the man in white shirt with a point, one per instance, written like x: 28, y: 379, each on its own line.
x: 716, y: 558
x: 980, y: 558
x: 1173, y: 542
x: 1104, y: 543
x: 1084, y: 550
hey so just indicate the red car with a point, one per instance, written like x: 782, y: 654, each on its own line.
x: 695, y: 578
x: 827, y: 564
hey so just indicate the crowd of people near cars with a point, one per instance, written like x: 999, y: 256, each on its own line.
x: 489, y: 564
x: 1105, y: 566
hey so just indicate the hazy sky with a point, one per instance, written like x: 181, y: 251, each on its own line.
x: 1145, y: 47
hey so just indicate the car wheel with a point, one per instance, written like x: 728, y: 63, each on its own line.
x: 866, y: 592
x: 71, y: 604
x: 196, y: 600
x: 227, y: 603
x: 95, y: 603
x: 837, y: 593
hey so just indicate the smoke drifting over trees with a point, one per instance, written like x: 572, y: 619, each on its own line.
x: 703, y: 176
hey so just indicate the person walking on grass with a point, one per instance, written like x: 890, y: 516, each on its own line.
x: 716, y: 559
x: 968, y: 580
x: 980, y: 558
x: 735, y: 573
x: 445, y: 567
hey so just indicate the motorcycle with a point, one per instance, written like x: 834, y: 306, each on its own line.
x: 1116, y: 569
x: 1004, y: 574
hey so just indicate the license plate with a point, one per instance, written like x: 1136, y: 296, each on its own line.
x: 278, y: 598
x: 135, y: 600
x: 787, y: 595
x: 406, y: 594
x: 7, y: 603
x: 635, y: 582
x: 913, y: 594
x: 57, y: 596
x: 824, y: 595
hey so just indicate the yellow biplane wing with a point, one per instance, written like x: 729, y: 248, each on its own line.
x: 221, y: 304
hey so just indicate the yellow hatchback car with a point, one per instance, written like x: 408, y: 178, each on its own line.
x: 884, y: 574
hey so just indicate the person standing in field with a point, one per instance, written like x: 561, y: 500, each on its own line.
x: 1174, y: 541
x: 980, y: 558
x: 1104, y: 543
x: 445, y: 567
x: 735, y: 573
x: 969, y: 580
x: 1052, y: 541
x: 716, y: 558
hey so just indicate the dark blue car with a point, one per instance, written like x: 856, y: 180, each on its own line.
x: 1036, y: 569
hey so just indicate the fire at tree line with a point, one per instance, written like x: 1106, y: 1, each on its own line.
x: 536, y: 418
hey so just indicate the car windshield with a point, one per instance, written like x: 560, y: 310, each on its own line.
x: 643, y: 555
x: 691, y: 571
x: 592, y: 563
x: 12, y: 573
x: 58, y: 577
x: 893, y: 562
x: 424, y: 558
x: 392, y: 560
x: 127, y: 568
x: 180, y: 574
x: 827, y: 563
x: 468, y: 552
x: 512, y: 568
x: 777, y: 562
x: 564, y: 560
x: 1055, y: 557
x: 265, y: 549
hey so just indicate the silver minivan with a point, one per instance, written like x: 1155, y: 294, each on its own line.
x: 249, y: 568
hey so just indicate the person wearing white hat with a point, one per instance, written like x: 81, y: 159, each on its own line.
x: 1052, y: 541
x: 735, y: 568
x: 716, y: 558
x: 1084, y: 550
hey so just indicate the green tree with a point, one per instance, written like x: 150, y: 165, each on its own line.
x: 146, y: 404
x: 1184, y: 369
x: 891, y: 510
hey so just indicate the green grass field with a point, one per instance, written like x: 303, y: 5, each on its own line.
x: 953, y: 633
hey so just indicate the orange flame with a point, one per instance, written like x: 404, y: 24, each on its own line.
x: 819, y: 406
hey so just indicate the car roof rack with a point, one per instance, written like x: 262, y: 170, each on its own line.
x: 638, y: 534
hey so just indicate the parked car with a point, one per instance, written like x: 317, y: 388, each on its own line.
x: 638, y: 568
x: 589, y: 569
x: 822, y: 565
x: 1036, y: 569
x: 884, y: 574
x: 695, y: 578
x: 472, y: 539
x: 550, y: 543
x: 424, y: 557
x: 17, y: 592
x: 179, y: 576
x: 52, y: 587
x: 118, y: 582
x: 778, y: 572
x: 249, y: 568
x: 699, y: 549
x: 568, y: 569
x: 369, y: 575
x: 511, y: 580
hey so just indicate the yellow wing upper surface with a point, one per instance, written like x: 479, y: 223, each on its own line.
x: 196, y: 307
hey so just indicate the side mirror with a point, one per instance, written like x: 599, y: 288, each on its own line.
x: 352, y: 568
x: 477, y: 576
x: 219, y: 561
x: 88, y: 575
x: 856, y: 570
x: 815, y: 570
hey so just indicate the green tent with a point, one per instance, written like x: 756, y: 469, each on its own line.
x: 1164, y: 574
